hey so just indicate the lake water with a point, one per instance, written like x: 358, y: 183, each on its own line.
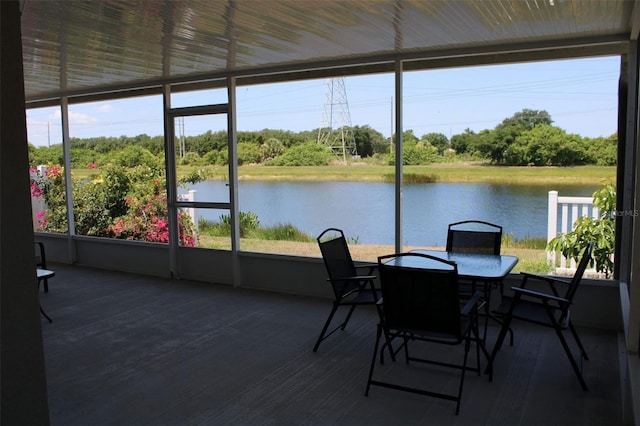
x: 365, y: 211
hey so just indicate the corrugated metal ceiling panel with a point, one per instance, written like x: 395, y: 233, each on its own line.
x: 77, y: 45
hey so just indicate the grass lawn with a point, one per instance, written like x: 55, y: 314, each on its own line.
x: 530, y: 260
x: 441, y: 172
x: 461, y: 171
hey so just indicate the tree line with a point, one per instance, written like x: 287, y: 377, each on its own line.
x: 527, y: 138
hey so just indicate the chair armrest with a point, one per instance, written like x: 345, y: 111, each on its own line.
x: 354, y: 278
x: 539, y: 295
x: 473, y: 301
x: 370, y: 268
x: 549, y: 280
x: 546, y: 278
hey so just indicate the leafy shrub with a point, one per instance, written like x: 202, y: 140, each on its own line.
x: 210, y: 157
x: 52, y: 155
x: 51, y: 188
x: 248, y: 153
x: 308, y: 154
x: 194, y: 176
x: 190, y: 158
x: 249, y: 222
x: 122, y: 203
x: 134, y: 155
x: 416, y: 154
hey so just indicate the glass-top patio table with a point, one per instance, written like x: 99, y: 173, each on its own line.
x: 471, y: 266
x: 486, y: 269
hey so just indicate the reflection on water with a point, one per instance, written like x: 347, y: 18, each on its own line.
x: 365, y: 211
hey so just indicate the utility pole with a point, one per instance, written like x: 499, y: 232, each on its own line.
x: 182, y: 145
x: 391, y: 132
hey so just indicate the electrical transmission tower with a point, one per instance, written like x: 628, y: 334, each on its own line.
x: 335, y: 131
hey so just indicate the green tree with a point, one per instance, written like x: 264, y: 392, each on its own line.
x: 527, y: 119
x: 505, y: 133
x: 409, y: 139
x: 438, y: 140
x: 133, y: 155
x: 482, y: 144
x: 461, y: 143
x: 248, y: 153
x: 602, y: 151
x: 154, y: 145
x: 369, y: 141
x: 545, y: 145
x: 270, y: 149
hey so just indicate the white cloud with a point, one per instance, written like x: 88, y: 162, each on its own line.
x: 105, y: 108
x: 77, y: 118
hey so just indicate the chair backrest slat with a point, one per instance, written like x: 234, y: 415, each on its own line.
x: 474, y: 236
x: 337, y: 260
x: 420, y: 299
x: 577, y: 277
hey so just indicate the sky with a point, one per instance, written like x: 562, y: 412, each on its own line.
x: 580, y: 95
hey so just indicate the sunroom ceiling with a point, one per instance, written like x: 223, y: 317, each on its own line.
x: 75, y: 47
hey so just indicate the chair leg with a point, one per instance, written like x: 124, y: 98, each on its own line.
x: 405, y: 340
x: 373, y: 360
x: 506, y: 324
x: 45, y: 315
x: 387, y: 344
x: 583, y: 352
x: 348, y: 317
x: 572, y: 360
x: 325, y: 327
x: 467, y: 345
x: 479, y: 343
x: 501, y: 284
x: 342, y: 326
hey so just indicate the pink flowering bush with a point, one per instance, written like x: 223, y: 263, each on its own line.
x: 123, y: 203
x: 146, y: 220
x: 50, y: 188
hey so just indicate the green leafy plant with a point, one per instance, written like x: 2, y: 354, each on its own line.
x: 600, y: 230
x: 122, y: 203
x: 249, y: 222
x: 283, y: 232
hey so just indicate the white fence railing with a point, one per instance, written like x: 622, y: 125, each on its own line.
x: 562, y: 215
x: 191, y: 196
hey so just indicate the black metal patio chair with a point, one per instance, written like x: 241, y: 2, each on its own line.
x: 476, y: 236
x: 41, y: 262
x: 549, y: 309
x: 350, y: 287
x: 423, y: 305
